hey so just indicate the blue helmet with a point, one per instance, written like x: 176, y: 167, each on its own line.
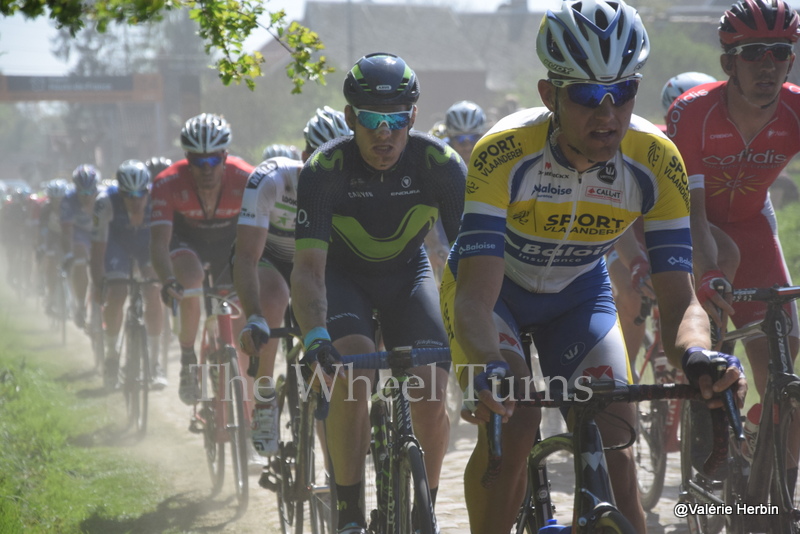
x: 86, y: 177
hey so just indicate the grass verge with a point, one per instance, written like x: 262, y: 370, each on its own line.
x: 60, y: 470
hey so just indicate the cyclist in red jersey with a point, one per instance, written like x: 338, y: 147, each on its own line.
x: 736, y: 136
x: 196, y: 204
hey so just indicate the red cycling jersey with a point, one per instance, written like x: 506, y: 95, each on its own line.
x: 175, y: 202
x: 736, y: 175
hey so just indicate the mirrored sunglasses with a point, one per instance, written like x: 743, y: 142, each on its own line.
x: 465, y: 138
x: 757, y: 51
x: 135, y: 194
x: 592, y: 94
x: 372, y: 119
x: 198, y: 161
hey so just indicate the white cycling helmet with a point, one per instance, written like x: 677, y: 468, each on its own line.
x: 133, y: 177
x: 56, y: 188
x: 465, y: 117
x: 86, y: 177
x: 277, y: 150
x: 593, y: 40
x: 677, y: 85
x: 326, y: 125
x: 205, y: 133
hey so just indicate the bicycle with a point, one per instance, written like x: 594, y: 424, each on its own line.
x: 594, y: 510
x: 401, y: 479
x: 136, y: 372
x: 762, y: 481
x: 220, y: 415
x: 292, y: 473
x: 658, y: 420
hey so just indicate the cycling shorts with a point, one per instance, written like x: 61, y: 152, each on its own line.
x: 575, y: 330
x: 407, y: 303
x: 120, y: 252
x: 216, y: 254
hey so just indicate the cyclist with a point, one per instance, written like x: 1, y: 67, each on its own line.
x: 49, y: 246
x: 196, y: 203
x: 76, y: 223
x: 364, y: 205
x: 737, y: 136
x: 628, y: 265
x: 263, y: 263
x: 156, y: 165
x: 120, y: 235
x: 549, y: 190
x: 465, y: 123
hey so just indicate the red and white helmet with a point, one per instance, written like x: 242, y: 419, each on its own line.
x: 757, y: 19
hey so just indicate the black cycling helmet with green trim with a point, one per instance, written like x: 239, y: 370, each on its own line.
x: 381, y: 79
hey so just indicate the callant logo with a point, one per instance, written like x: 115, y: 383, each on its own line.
x: 604, y: 193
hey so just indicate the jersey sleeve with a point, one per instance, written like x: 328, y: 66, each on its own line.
x: 259, y: 196
x: 449, y: 181
x: 666, y: 224
x: 103, y: 214
x: 319, y: 186
x: 487, y: 195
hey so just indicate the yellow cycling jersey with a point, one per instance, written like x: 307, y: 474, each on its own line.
x: 552, y: 223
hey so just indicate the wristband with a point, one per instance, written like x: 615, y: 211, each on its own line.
x: 689, y: 352
x: 318, y: 332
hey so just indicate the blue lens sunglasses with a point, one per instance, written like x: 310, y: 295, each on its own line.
x: 372, y: 119
x: 591, y: 94
x: 211, y: 161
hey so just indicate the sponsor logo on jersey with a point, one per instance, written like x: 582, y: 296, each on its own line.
x: 608, y: 174
x: 677, y: 175
x: 328, y: 163
x: 499, y: 152
x: 472, y: 186
x: 654, y: 154
x: 549, y: 190
x: 721, y: 136
x: 584, y: 224
x: 776, y: 133
x: 605, y: 193
x: 254, y: 180
x: 475, y: 247
x: 509, y: 341
x: 439, y: 154
x: 768, y: 157
x: 522, y: 216
x: 360, y: 194
x: 686, y: 262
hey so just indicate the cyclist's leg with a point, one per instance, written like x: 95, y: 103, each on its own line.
x: 79, y: 277
x: 154, y: 322
x: 351, y: 328
x: 274, y: 298
x: 189, y: 273
x: 494, y: 509
x: 410, y: 316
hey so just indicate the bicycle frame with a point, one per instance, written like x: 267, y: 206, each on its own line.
x: 593, y: 497
x: 763, y: 481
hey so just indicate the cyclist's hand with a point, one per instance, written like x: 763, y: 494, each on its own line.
x: 490, y: 400
x: 713, y: 302
x: 171, y: 291
x: 700, y: 371
x: 640, y: 277
x: 254, y: 334
x: 320, y: 352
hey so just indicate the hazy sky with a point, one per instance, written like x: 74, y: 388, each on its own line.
x: 25, y: 45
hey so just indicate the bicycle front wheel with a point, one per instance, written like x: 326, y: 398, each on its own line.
x: 237, y: 429
x: 695, y: 486
x: 284, y: 465
x: 412, y: 493
x: 649, y: 453
x: 608, y: 520
x: 136, y: 378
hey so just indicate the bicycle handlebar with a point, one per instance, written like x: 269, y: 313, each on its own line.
x: 603, y: 393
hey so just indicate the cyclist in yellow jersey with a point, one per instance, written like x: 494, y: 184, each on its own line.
x: 549, y: 191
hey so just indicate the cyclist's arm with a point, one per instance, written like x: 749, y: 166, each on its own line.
x: 309, y: 299
x: 477, y: 289
x: 160, y: 235
x: 684, y: 324
x: 250, y: 241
